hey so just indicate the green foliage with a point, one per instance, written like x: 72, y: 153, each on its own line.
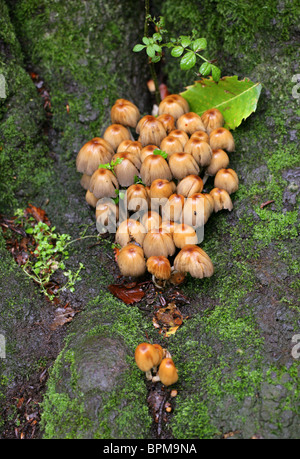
x: 236, y: 99
x: 161, y: 153
x: 111, y: 166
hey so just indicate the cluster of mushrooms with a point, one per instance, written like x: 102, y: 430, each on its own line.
x: 162, y: 174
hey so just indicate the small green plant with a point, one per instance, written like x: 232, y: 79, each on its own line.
x: 161, y: 153
x: 187, y: 48
x: 111, y: 166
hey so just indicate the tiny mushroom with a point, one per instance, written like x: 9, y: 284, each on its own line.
x: 147, y: 150
x: 130, y: 230
x: 127, y: 169
x: 197, y: 209
x: 85, y: 181
x: 160, y: 268
x: 151, y: 220
x: 131, y: 261
x: 155, y: 167
x: 201, y: 135
x: 171, y: 145
x: 137, y: 198
x: 212, y: 119
x: 125, y: 112
x: 158, y: 242
x: 167, y: 121
x: 96, y: 151
x: 184, y: 235
x: 161, y: 188
x: 150, y: 130
x: 183, y: 164
x: 192, y: 259
x: 91, y: 199
x: 181, y: 136
x: 221, y: 138
x: 172, y: 210
x: 130, y: 146
x: 167, y: 372
x: 200, y: 150
x: 219, y: 160
x: 190, y: 185
x: 107, y: 215
x: 190, y: 123
x: 115, y: 134
x: 103, y: 184
x: 222, y: 199
x: 174, y: 105
x: 147, y: 357
x: 227, y: 179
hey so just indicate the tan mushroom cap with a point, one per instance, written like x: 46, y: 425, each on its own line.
x: 168, y: 122
x: 137, y: 197
x: 91, y: 199
x: 147, y: 150
x: 184, y: 235
x: 222, y: 199
x: 115, y: 134
x: 155, y: 167
x: 161, y: 188
x: 181, y: 136
x: 85, y: 181
x: 107, y: 212
x: 167, y: 372
x: 103, y: 184
x: 151, y: 130
x: 212, y: 119
x: 192, y: 259
x: 183, y: 164
x: 158, y: 243
x: 128, y: 169
x: 172, y: 210
x: 227, y: 179
x: 130, y: 146
x: 147, y: 356
x: 160, y: 267
x: 221, y: 138
x: 130, y: 230
x: 151, y: 220
x: 219, y: 160
x: 200, y: 150
x: 171, y: 145
x: 174, y: 105
x: 131, y: 261
x: 190, y: 185
x: 190, y: 122
x: 125, y: 112
x: 197, y: 209
x: 93, y: 153
x: 168, y: 226
x: 201, y: 135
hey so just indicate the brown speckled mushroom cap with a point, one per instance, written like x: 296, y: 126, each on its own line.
x: 192, y: 259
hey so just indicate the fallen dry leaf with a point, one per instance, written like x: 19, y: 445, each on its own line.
x: 129, y: 293
x: 62, y: 316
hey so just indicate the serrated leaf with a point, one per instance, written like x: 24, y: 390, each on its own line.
x: 236, y: 99
x: 138, y: 48
x: 188, y: 60
x: 177, y: 51
x: 198, y: 44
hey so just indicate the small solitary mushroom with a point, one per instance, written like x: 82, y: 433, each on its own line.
x: 130, y: 230
x: 227, y: 179
x: 192, y: 259
x: 221, y: 138
x: 219, y: 160
x: 167, y: 121
x: 190, y: 185
x: 155, y: 167
x: 172, y: 210
x: 151, y: 130
x: 95, y: 152
x: 115, y: 134
x: 184, y: 235
x: 183, y: 164
x: 125, y: 112
x: 171, y: 145
x: 190, y: 123
x: 200, y: 150
x: 167, y: 372
x: 212, y: 119
x: 160, y: 268
x: 131, y: 261
x: 147, y: 357
x: 103, y: 184
x: 128, y: 168
x: 158, y: 242
x: 174, y: 105
x: 137, y: 198
x: 222, y: 199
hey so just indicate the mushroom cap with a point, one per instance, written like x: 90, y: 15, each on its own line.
x: 137, y: 197
x: 130, y: 146
x: 201, y: 135
x: 161, y: 188
x: 171, y: 145
x: 93, y: 153
x: 125, y: 112
x: 158, y: 242
x: 151, y: 220
x: 128, y: 169
x: 201, y: 151
x: 197, y: 209
x: 168, y: 122
x: 147, y: 150
x: 222, y: 199
x: 173, y: 105
x: 190, y: 185
x: 103, y: 184
x: 221, y: 138
x: 146, y: 356
x: 168, y: 373
x: 212, y: 119
x: 192, y: 259
x: 91, y: 199
x: 85, y: 181
x: 172, y: 210
x: 131, y: 261
x: 115, y: 134
x: 183, y: 164
x: 130, y: 230
x: 219, y: 160
x: 159, y: 266
x: 155, y: 167
x: 151, y: 130
x: 161, y: 352
x: 227, y: 179
x: 168, y: 226
x: 190, y: 122
x: 184, y: 235
x: 181, y: 136
x: 107, y: 215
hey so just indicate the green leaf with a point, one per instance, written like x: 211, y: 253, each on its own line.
x: 236, y: 99
x: 150, y: 50
x: 188, y: 60
x: 199, y: 44
x: 177, y: 51
x: 138, y: 48
x: 157, y: 37
x: 161, y: 153
x: 146, y: 40
x: 155, y: 59
x: 216, y: 73
x: 205, y: 69
x: 185, y: 41
x: 157, y: 48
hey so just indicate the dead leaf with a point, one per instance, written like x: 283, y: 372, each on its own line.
x: 38, y: 214
x: 130, y: 295
x: 62, y: 316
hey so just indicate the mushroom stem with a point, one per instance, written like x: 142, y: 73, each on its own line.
x: 156, y: 284
x: 156, y: 378
x: 149, y: 375
x: 205, y: 177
